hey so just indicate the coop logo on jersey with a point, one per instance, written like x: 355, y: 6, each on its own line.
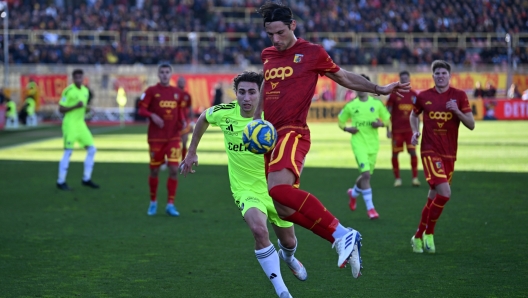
x: 445, y: 116
x: 278, y: 73
x: 169, y: 104
x: 297, y: 58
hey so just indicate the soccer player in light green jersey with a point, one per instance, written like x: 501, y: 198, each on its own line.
x: 248, y: 181
x: 367, y: 115
x: 73, y: 105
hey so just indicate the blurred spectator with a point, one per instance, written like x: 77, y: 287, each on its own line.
x: 525, y: 95
x: 478, y: 92
x: 490, y: 91
x: 513, y: 92
x: 218, y: 94
x: 3, y: 98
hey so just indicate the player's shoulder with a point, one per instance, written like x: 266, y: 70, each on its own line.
x: 68, y: 88
x: 222, y: 108
x: 457, y: 92
x: 427, y: 93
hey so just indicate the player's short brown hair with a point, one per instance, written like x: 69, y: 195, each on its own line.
x: 164, y: 65
x: 405, y: 72
x: 440, y: 64
x: 275, y: 11
x: 77, y: 72
x: 248, y: 76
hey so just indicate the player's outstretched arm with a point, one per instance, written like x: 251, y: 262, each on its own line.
x: 260, y: 105
x: 192, y: 158
x: 356, y: 82
x: 415, y: 126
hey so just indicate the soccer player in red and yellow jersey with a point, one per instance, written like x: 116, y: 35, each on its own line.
x: 160, y: 103
x: 400, y: 108
x: 186, y: 106
x: 291, y: 69
x: 443, y: 108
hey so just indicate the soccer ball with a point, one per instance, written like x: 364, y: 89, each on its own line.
x: 259, y: 136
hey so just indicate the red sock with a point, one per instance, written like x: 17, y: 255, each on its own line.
x: 184, y: 152
x: 396, y: 167
x: 304, y: 222
x: 306, y: 204
x: 414, y: 165
x: 153, y: 184
x: 423, y: 220
x: 172, y: 184
x: 434, y: 212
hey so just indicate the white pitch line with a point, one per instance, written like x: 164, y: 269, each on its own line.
x: 94, y: 131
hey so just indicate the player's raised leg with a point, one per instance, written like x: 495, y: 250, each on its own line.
x: 63, y: 169
x: 265, y: 251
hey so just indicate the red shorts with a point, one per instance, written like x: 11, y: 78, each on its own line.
x: 158, y: 152
x: 289, y: 153
x: 437, y: 170
x: 401, y: 138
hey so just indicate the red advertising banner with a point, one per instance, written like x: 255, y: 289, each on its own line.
x: 131, y: 84
x: 504, y: 109
x: 50, y: 87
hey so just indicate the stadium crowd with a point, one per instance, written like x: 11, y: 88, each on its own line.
x: 418, y: 16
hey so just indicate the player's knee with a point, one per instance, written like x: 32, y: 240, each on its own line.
x: 365, y: 176
x: 91, y: 150
x: 260, y: 232
x: 154, y: 172
x: 288, y: 241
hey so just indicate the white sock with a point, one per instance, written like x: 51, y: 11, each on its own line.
x: 367, y: 196
x: 89, y: 163
x: 269, y: 260
x: 356, y: 191
x: 288, y: 253
x: 63, y: 165
x: 340, y: 231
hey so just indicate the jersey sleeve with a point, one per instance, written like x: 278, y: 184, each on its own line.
x: 463, y: 103
x: 343, y: 117
x: 65, y: 100
x: 417, y: 104
x: 324, y: 62
x: 144, y: 103
x: 214, y: 114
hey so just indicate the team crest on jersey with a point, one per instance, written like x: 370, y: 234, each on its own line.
x: 297, y: 58
x: 413, y: 99
x: 372, y: 109
x: 175, y: 95
x: 438, y: 165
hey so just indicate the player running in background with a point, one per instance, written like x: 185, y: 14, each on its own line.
x: 247, y: 180
x: 160, y: 103
x: 73, y: 105
x: 443, y: 109
x: 186, y: 105
x: 400, y: 108
x: 291, y: 69
x: 367, y: 114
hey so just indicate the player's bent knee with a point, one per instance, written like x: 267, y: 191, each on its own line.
x: 260, y: 232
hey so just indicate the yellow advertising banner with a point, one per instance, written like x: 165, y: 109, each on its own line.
x: 463, y: 80
x: 521, y: 81
x: 325, y: 111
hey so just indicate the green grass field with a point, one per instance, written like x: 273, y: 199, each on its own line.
x: 101, y: 243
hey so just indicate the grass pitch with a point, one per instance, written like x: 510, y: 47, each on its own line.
x: 101, y: 243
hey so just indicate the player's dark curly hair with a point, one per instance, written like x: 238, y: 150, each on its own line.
x: 440, y: 64
x: 248, y: 76
x: 365, y: 76
x: 276, y: 11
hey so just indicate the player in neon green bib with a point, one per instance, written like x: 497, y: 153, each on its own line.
x: 248, y: 180
x: 11, y: 114
x: 367, y: 115
x: 73, y: 105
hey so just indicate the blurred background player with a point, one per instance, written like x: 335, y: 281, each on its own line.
x: 367, y: 114
x: 291, y: 69
x: 443, y: 108
x: 160, y: 103
x: 73, y: 105
x: 186, y: 106
x: 400, y: 108
x: 248, y: 181
x: 11, y: 114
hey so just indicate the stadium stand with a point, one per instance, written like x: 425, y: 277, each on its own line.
x: 412, y: 32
